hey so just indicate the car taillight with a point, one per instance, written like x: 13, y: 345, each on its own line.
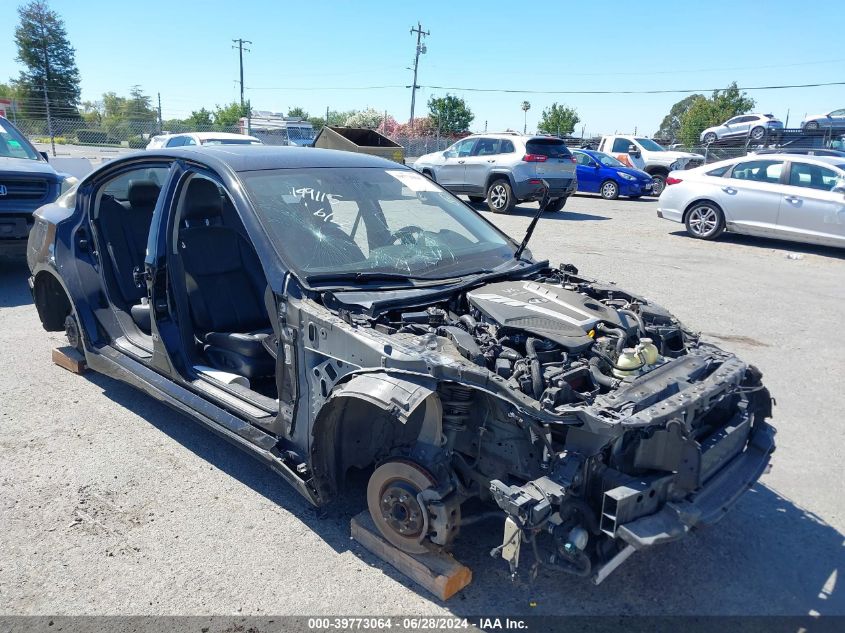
x: 572, y: 158
x: 535, y: 158
x: 673, y: 181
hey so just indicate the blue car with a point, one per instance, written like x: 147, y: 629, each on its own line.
x: 601, y: 173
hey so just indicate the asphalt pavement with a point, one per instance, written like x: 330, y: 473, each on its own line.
x: 111, y: 503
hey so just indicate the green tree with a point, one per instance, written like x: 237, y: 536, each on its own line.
x: 298, y: 112
x: 670, y: 127
x: 721, y: 106
x: 449, y: 114
x: 369, y: 118
x: 200, y: 118
x: 558, y: 119
x: 49, y: 61
x: 138, y: 107
x: 230, y: 114
x: 337, y: 118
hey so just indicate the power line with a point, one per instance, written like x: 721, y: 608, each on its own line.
x: 551, y: 92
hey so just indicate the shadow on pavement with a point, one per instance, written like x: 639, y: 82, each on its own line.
x: 14, y: 290
x: 774, y: 244
x: 595, y: 196
x: 768, y: 556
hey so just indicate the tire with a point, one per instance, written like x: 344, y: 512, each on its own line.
x: 658, y: 184
x: 709, y: 138
x: 704, y: 220
x: 812, y: 125
x: 557, y: 204
x: 500, y: 198
x: 758, y: 133
x: 609, y: 190
x: 429, y: 174
x: 476, y: 199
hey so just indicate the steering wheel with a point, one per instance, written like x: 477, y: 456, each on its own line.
x: 407, y: 234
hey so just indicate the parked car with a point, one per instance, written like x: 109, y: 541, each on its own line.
x: 329, y: 311
x: 648, y: 155
x: 834, y: 119
x: 807, y: 151
x: 601, y: 173
x: 784, y: 196
x: 504, y: 169
x: 188, y: 139
x: 753, y: 126
x: 27, y: 181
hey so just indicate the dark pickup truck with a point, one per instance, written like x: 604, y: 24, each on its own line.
x: 27, y: 181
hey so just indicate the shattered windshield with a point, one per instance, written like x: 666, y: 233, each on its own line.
x: 372, y: 220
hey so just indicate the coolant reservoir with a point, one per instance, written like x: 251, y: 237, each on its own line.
x: 648, y: 350
x: 628, y: 363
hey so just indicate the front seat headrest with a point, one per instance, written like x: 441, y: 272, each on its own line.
x: 202, y: 200
x: 143, y: 193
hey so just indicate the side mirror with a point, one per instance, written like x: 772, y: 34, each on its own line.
x: 839, y: 186
x: 45, y: 156
x: 632, y: 150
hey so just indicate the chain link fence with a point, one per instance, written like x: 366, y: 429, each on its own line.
x: 136, y: 134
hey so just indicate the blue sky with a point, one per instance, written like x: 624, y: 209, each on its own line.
x: 320, y: 53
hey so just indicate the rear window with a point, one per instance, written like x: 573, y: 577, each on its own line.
x: 553, y: 148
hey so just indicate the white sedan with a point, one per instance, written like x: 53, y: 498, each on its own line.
x: 784, y: 196
x: 187, y: 139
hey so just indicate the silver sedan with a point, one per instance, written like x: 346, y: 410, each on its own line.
x: 784, y: 196
x: 834, y: 119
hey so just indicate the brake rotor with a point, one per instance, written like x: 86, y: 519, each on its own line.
x: 392, y: 500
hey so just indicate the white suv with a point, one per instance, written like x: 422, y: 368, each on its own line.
x: 504, y: 169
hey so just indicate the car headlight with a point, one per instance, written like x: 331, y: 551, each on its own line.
x: 625, y: 176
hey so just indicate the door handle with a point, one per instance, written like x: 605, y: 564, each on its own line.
x: 461, y: 162
x: 730, y: 190
x: 792, y: 199
x: 492, y: 160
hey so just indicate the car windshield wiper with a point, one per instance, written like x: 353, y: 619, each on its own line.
x: 366, y: 276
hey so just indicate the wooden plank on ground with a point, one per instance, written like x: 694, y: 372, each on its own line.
x: 70, y: 358
x: 438, y: 572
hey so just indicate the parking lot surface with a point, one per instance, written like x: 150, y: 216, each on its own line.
x: 111, y: 503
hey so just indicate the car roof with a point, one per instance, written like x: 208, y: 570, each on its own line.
x: 836, y: 161
x: 257, y: 157
x: 514, y: 135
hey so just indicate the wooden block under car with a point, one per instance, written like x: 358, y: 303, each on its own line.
x: 70, y: 358
x: 438, y: 572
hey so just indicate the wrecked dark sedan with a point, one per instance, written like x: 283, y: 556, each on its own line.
x: 330, y: 311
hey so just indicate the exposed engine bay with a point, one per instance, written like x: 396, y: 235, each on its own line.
x: 592, y: 418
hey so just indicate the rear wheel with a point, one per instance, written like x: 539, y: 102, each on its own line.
x: 709, y: 138
x: 758, y: 133
x: 392, y: 498
x: 705, y: 221
x: 609, y: 190
x: 557, y: 204
x: 500, y: 198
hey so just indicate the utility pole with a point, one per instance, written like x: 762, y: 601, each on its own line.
x: 240, y: 46
x: 159, y: 113
x: 421, y: 49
